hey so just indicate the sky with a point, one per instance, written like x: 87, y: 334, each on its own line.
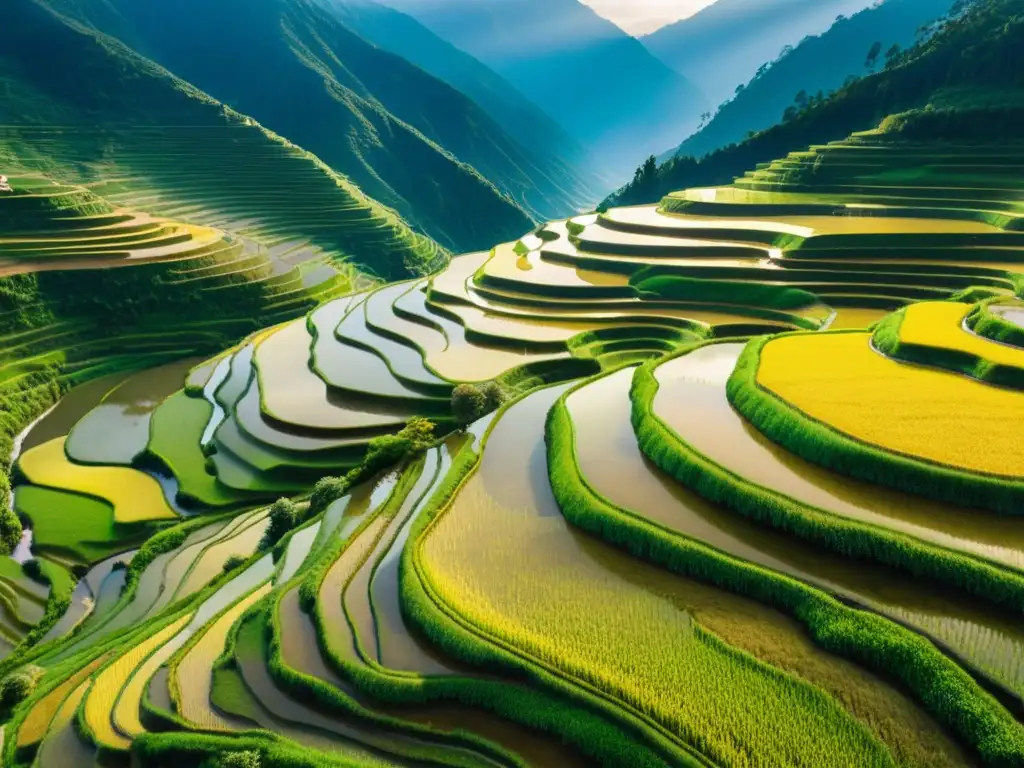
x: 638, y: 17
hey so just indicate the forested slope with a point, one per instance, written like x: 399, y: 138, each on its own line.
x: 85, y: 109
x: 722, y: 46
x: 971, y: 70
x: 407, y: 139
x: 818, y: 65
x: 563, y: 156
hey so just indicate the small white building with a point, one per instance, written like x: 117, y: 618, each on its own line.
x: 4, y: 184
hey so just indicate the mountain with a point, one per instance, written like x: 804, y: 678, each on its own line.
x: 560, y: 154
x: 407, y: 139
x: 722, y: 46
x: 966, y: 79
x: 601, y: 84
x: 818, y: 64
x: 85, y: 109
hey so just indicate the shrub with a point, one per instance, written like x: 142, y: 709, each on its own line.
x: 119, y: 565
x: 468, y: 403
x: 247, y: 759
x: 494, y: 394
x: 18, y: 686
x: 234, y: 562
x: 382, y: 453
x: 326, y: 491
x: 34, y: 570
x: 419, y: 432
x: 10, y: 525
x: 284, y: 515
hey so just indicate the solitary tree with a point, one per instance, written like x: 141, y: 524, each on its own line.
x: 892, y: 53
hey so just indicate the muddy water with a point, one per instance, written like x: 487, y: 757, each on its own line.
x: 805, y: 226
x: 294, y: 394
x: 461, y: 359
x: 219, y: 376
x: 186, y: 558
x: 340, y: 364
x: 63, y: 747
x: 300, y: 650
x: 299, y: 547
x: 92, y: 595
x: 358, y: 606
x: 692, y: 401
x: 211, y: 562
x: 503, y: 557
x: 147, y: 592
x: 399, y: 647
x: 532, y: 271
x: 854, y: 318
x: 308, y: 726
x: 117, y: 430
x: 405, y: 360
x: 1013, y: 315
x: 431, y: 340
x: 252, y: 423
x: 722, y: 435
x: 70, y: 410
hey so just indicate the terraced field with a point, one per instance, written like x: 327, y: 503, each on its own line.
x: 729, y: 481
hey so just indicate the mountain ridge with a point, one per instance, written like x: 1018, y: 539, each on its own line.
x: 820, y: 63
x: 722, y: 45
x: 599, y: 83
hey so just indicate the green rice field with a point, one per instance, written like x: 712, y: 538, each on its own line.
x: 731, y: 481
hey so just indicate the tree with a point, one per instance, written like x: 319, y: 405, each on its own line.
x: 469, y: 403
x: 18, y: 686
x: 646, y: 171
x: 892, y: 53
x: 284, y: 515
x: 873, y: 53
x: 801, y: 99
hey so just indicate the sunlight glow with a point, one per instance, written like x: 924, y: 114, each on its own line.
x: 641, y: 17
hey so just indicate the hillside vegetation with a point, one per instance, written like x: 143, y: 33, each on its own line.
x: 559, y: 155
x: 817, y: 65
x: 110, y: 118
x: 384, y: 123
x: 972, y: 62
x: 721, y: 46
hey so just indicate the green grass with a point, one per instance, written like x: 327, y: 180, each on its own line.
x: 175, y: 430
x: 69, y: 524
x: 984, y: 322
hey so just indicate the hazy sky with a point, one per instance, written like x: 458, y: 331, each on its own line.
x: 641, y: 16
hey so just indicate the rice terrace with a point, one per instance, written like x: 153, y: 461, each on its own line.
x: 330, y: 439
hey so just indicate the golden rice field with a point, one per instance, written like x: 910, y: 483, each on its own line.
x: 840, y: 381
x: 110, y: 681
x: 940, y: 325
x: 135, y: 496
